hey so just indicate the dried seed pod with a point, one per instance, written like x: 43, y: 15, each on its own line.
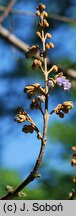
x: 48, y: 35
x: 41, y: 7
x: 49, y: 45
x: 37, y: 13
x: 45, y: 23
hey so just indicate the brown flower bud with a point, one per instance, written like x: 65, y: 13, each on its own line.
x: 36, y: 63
x: 55, y: 68
x: 45, y: 23
x: 73, y: 163
x: 41, y: 98
x: 45, y: 14
x: 39, y: 135
x: 27, y: 129
x: 73, y: 148
x: 48, y: 35
x: 74, y: 179
x: 37, y: 13
x: 20, y: 118
x: 68, y: 104
x: 41, y: 7
x: 74, y: 156
x: 65, y: 110
x: 49, y: 45
x: 38, y: 34
x: 32, y: 51
x: 61, y: 115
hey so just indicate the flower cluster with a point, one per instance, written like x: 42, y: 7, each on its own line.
x: 34, y: 89
x: 64, y: 108
x: 62, y: 81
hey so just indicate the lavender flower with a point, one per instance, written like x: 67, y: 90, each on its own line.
x: 62, y: 81
x: 50, y: 83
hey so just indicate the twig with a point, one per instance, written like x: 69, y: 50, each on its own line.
x: 6, y: 11
x: 33, y: 174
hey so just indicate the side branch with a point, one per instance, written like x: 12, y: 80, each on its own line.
x: 7, y: 11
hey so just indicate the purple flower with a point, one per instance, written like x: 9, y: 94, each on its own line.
x: 50, y: 83
x: 62, y: 81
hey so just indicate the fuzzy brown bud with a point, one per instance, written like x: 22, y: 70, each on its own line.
x: 48, y: 35
x: 73, y: 148
x: 61, y: 115
x: 45, y: 23
x: 41, y: 7
x: 73, y: 163
x: 36, y: 63
x: 37, y: 13
x: 38, y: 34
x: 45, y: 14
x: 41, y: 98
x: 55, y: 68
x: 49, y: 45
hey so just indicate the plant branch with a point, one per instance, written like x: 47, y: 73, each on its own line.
x: 32, y: 175
x: 6, y: 11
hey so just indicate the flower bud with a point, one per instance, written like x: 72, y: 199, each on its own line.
x: 37, y: 13
x: 61, y: 115
x: 48, y: 35
x: 41, y: 98
x: 55, y: 68
x: 45, y: 14
x: 49, y: 45
x: 41, y: 7
x: 73, y: 163
x: 38, y: 34
x: 68, y: 104
x: 73, y: 148
x: 45, y: 23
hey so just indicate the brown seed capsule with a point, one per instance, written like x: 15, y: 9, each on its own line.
x: 37, y: 13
